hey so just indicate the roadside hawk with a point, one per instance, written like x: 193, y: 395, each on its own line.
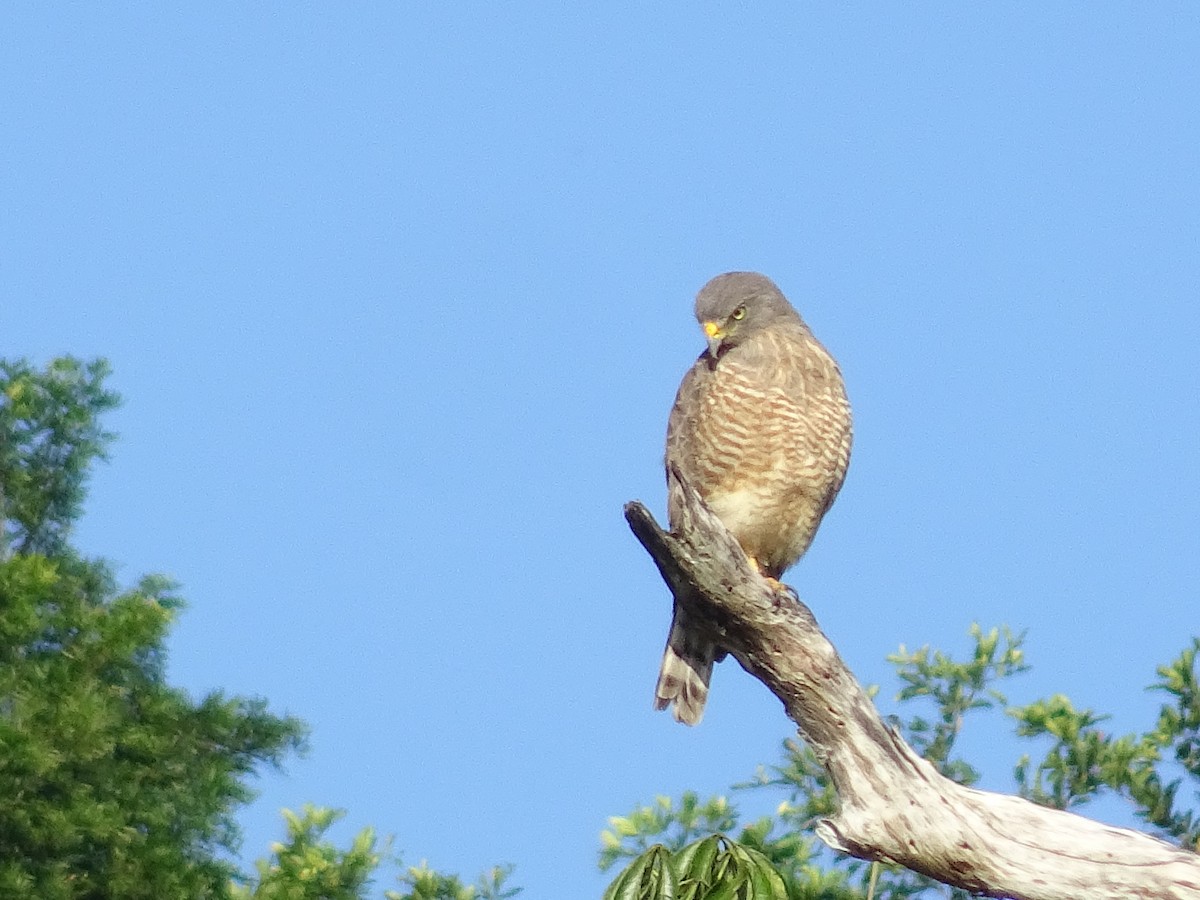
x: 761, y: 430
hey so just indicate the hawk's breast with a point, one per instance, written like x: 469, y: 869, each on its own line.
x: 764, y: 436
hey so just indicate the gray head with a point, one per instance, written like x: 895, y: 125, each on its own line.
x: 735, y: 305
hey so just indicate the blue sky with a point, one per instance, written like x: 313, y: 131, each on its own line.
x: 398, y: 296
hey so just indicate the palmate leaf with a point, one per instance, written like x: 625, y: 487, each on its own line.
x: 713, y: 868
x: 649, y: 877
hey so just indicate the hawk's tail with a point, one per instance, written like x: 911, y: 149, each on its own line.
x: 687, y: 665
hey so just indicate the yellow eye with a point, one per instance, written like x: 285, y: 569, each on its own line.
x: 739, y: 313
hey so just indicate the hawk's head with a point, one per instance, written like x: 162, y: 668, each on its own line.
x: 735, y: 305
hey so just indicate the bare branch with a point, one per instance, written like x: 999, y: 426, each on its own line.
x: 894, y: 805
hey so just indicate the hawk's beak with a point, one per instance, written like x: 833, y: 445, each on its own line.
x: 715, y: 335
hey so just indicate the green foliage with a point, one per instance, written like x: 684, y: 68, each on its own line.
x: 425, y: 884
x: 114, y: 783
x: 307, y: 866
x: 665, y: 822
x: 49, y: 436
x: 1177, y: 730
x: 1070, y: 773
x: 956, y: 689
x: 714, y: 867
x: 1081, y: 763
x: 670, y: 826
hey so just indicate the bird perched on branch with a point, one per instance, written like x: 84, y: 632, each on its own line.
x: 761, y: 430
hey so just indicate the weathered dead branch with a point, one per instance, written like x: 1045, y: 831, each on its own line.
x: 895, y: 806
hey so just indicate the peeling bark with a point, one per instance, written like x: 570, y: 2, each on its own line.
x: 895, y: 806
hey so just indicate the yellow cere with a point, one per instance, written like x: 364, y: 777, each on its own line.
x: 711, y: 328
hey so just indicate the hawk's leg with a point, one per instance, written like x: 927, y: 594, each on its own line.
x: 777, y: 586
